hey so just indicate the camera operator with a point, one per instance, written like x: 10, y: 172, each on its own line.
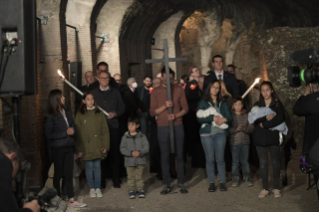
x: 9, y: 160
x: 308, y: 106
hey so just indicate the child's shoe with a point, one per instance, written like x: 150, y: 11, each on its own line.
x: 263, y: 193
x: 132, y: 195
x: 235, y: 182
x: 277, y: 193
x: 99, y: 193
x: 248, y: 181
x: 141, y: 194
x: 92, y: 193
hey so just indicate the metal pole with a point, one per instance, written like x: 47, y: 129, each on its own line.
x: 169, y: 96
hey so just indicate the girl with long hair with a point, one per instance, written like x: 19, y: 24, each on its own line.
x: 59, y: 129
x: 93, y: 141
x: 213, y: 137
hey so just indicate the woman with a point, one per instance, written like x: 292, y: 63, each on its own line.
x: 268, y: 140
x: 59, y: 130
x: 214, y: 138
x: 183, y: 81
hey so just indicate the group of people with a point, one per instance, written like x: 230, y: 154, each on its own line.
x: 210, y: 125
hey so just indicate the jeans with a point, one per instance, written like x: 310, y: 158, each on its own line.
x: 135, y: 177
x: 145, y: 124
x: 164, y: 143
x: 240, y: 154
x: 263, y: 164
x: 93, y: 173
x: 63, y: 159
x: 215, y: 144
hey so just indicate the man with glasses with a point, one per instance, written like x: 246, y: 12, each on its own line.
x: 110, y: 100
x: 103, y: 66
x: 90, y: 80
x: 118, y: 79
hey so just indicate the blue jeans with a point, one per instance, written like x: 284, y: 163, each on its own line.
x: 93, y: 167
x: 240, y: 154
x: 215, y: 144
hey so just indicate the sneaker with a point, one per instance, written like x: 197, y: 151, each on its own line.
x: 182, y: 189
x: 263, y: 193
x: 222, y: 187
x: 92, y: 193
x: 235, y: 182
x: 99, y: 193
x: 212, y: 187
x: 277, y: 193
x: 74, y: 204
x: 248, y: 181
x: 132, y: 195
x: 166, y: 190
x: 141, y: 194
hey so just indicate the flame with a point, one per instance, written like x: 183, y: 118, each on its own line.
x: 257, y: 80
x: 59, y: 72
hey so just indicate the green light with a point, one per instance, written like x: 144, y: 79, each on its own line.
x: 302, y: 75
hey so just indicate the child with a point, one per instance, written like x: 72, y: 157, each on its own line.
x: 93, y: 141
x: 134, y: 146
x: 59, y: 129
x: 239, y: 142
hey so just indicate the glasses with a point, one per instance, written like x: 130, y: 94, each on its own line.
x: 104, y: 78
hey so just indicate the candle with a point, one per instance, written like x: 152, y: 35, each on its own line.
x: 251, y: 87
x: 77, y: 90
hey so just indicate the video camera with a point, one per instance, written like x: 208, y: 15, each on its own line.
x: 310, y: 74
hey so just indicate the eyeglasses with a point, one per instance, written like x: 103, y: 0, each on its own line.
x: 104, y: 78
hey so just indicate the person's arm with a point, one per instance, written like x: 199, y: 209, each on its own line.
x: 71, y: 121
x: 123, y: 148
x: 145, y: 145
x: 105, y: 132
x: 301, y: 106
x: 233, y: 128
x: 278, y: 119
x: 227, y: 116
x: 155, y: 108
x: 249, y: 128
x: 183, y: 103
x: 120, y: 110
x: 203, y: 119
x: 49, y: 132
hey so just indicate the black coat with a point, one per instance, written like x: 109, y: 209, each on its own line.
x: 264, y: 136
x: 8, y: 202
x: 142, y: 97
x: 308, y: 106
x: 55, y: 130
x: 229, y: 80
x: 129, y: 100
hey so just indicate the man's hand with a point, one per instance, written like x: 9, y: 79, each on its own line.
x: 270, y: 116
x: 70, y: 131
x: 111, y: 115
x: 261, y: 125
x: 168, y: 104
x: 80, y: 154
x: 171, y: 117
x: 307, y: 90
x: 33, y: 206
x: 104, y: 150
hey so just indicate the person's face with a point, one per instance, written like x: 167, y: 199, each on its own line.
x: 89, y: 77
x: 238, y: 106
x: 89, y: 101
x: 104, y: 79
x: 156, y: 83
x: 170, y: 78
x: 215, y: 89
x: 131, y: 83
x: 118, y: 79
x: 62, y: 100
x: 218, y: 63
x: 147, y: 82
x: 132, y: 126
x: 266, y: 92
x: 101, y: 68
x: 230, y: 70
x: 195, y: 72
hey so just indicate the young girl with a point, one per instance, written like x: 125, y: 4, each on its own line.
x: 214, y: 138
x: 268, y: 140
x: 93, y: 141
x: 59, y: 129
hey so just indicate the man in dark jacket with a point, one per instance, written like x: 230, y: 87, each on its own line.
x: 219, y: 74
x: 110, y: 100
x: 308, y: 106
x: 103, y: 66
x: 9, y: 160
x: 240, y: 83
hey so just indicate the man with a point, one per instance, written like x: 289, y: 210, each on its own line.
x: 141, y: 94
x: 90, y: 79
x: 308, y: 106
x: 10, y: 162
x: 240, y: 83
x: 110, y: 100
x: 103, y: 66
x: 159, y: 108
x: 118, y: 79
x: 220, y: 74
x: 156, y: 82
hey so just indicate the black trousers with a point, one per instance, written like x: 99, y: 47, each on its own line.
x: 63, y: 159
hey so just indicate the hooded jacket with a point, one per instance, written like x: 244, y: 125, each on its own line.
x: 240, y: 137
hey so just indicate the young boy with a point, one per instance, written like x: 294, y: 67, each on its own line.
x: 239, y: 142
x: 134, y: 146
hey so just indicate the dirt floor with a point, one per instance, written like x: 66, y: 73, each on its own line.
x: 238, y: 199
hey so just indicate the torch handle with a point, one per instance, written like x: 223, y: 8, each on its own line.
x: 249, y: 89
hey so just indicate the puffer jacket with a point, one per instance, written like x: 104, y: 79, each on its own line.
x: 55, y: 130
x: 130, y: 144
x: 240, y: 137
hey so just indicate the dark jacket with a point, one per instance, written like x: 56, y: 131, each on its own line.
x: 264, y: 136
x: 8, y: 202
x: 55, y: 130
x: 129, y: 100
x: 193, y: 96
x: 142, y: 96
x: 130, y: 144
x: 110, y: 101
x: 229, y: 80
x: 308, y: 106
x: 240, y: 137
